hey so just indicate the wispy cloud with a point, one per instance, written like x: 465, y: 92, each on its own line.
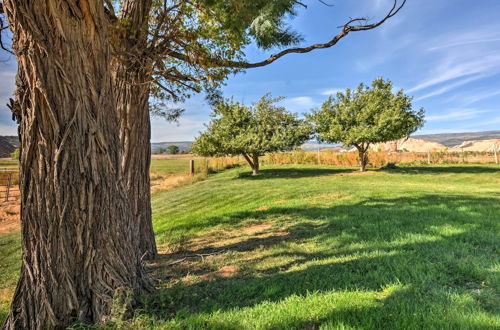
x: 300, y: 103
x: 486, y: 34
x: 491, y: 121
x: 460, y: 67
x: 464, y: 43
x: 459, y: 58
x: 457, y: 114
x: 331, y: 91
x: 468, y: 98
x: 449, y: 87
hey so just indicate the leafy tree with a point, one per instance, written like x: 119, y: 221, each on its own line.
x: 251, y: 130
x: 15, y: 154
x: 161, y: 150
x: 173, y: 150
x: 366, y: 115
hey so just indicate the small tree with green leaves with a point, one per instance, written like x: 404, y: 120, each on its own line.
x: 366, y: 115
x: 173, y: 149
x: 251, y: 131
x: 15, y: 154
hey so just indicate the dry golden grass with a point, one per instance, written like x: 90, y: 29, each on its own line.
x: 376, y: 158
x: 9, y: 216
x: 167, y: 182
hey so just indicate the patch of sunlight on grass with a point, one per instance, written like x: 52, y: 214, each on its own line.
x: 343, y: 259
x: 451, y: 230
x: 292, y: 312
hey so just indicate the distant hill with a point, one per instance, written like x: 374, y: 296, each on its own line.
x: 478, y: 145
x: 410, y: 144
x: 446, y: 139
x: 314, y: 145
x: 454, y: 139
x: 7, y: 145
x: 183, y: 145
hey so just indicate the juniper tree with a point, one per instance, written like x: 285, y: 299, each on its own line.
x: 366, y: 115
x: 251, y: 131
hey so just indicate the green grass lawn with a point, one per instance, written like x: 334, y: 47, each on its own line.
x: 310, y: 247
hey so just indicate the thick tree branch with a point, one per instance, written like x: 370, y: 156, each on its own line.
x: 248, y: 160
x: 346, y: 29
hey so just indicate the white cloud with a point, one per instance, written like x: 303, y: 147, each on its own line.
x: 470, y: 54
x: 446, y: 130
x: 457, y: 114
x: 471, y: 98
x: 486, y: 34
x: 464, y: 43
x: 299, y: 103
x: 460, y: 67
x: 489, y: 122
x: 449, y: 87
x: 331, y: 91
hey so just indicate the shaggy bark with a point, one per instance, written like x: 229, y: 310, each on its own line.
x: 132, y: 74
x: 79, y: 255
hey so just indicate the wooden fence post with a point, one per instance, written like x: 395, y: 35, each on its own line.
x: 319, y: 157
x: 9, y: 181
x: 495, y: 147
x: 428, y: 157
x: 191, y: 166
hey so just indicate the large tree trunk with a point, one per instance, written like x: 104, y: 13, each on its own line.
x: 79, y: 253
x: 256, y: 166
x: 362, y: 156
x: 132, y: 73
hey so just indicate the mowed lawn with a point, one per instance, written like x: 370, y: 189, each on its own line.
x: 311, y: 247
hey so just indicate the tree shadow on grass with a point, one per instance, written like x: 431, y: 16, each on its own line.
x: 292, y: 172
x: 436, y: 247
x: 444, y: 169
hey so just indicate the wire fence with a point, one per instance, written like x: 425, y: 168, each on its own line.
x: 9, y: 185
x: 380, y: 158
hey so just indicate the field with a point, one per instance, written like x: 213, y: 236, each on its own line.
x: 306, y: 247
x: 7, y: 163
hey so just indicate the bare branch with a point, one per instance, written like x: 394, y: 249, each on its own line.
x: 326, y: 4
x: 300, y: 4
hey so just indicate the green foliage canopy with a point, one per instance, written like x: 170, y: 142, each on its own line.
x: 15, y: 154
x: 194, y: 45
x: 251, y: 130
x: 367, y: 115
x: 173, y: 149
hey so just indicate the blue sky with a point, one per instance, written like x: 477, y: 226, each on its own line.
x: 446, y: 53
